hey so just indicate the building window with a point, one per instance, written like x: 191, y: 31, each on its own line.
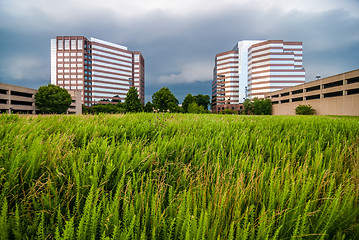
x: 79, y: 44
x: 67, y: 43
x: 73, y: 44
x: 60, y: 44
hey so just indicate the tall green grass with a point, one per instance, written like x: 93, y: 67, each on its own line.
x: 164, y: 176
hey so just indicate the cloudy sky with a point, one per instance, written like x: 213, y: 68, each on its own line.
x: 178, y: 38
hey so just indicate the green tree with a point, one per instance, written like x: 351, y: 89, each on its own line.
x: 187, y: 101
x: 248, y: 106
x: 52, y: 99
x: 116, y: 99
x: 203, y: 100
x: 149, y: 107
x: 228, y: 111
x: 164, y: 100
x: 132, y: 101
x: 304, y: 110
x: 194, y: 108
x: 258, y: 106
x: 200, y: 100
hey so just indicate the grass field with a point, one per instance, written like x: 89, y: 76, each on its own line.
x: 168, y: 176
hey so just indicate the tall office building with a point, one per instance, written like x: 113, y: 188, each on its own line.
x: 274, y: 65
x: 103, y: 71
x: 230, y: 77
x: 253, y: 68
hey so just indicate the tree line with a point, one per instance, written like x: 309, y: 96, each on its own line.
x: 53, y: 99
x: 162, y: 101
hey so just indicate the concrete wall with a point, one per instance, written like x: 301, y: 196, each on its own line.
x: 76, y: 106
x: 11, y: 100
x: 342, y: 105
x: 335, y: 95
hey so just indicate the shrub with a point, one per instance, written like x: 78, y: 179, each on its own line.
x: 228, y: 111
x: 258, y: 106
x: 304, y: 110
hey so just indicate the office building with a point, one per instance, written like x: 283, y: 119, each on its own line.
x: 274, y: 65
x: 102, y: 71
x: 230, y: 77
x: 252, y: 68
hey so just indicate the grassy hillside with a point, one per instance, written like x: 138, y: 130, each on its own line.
x: 168, y: 176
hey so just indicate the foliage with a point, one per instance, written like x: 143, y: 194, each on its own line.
x: 258, y: 106
x: 52, y: 99
x: 149, y: 107
x: 248, y: 106
x: 132, y: 101
x: 200, y: 100
x: 304, y: 110
x: 203, y: 100
x: 227, y: 111
x: 164, y: 100
x: 194, y: 108
x: 106, y: 108
x: 187, y: 101
x: 116, y: 99
x: 146, y: 176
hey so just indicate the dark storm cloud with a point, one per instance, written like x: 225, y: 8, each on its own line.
x: 179, y: 48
